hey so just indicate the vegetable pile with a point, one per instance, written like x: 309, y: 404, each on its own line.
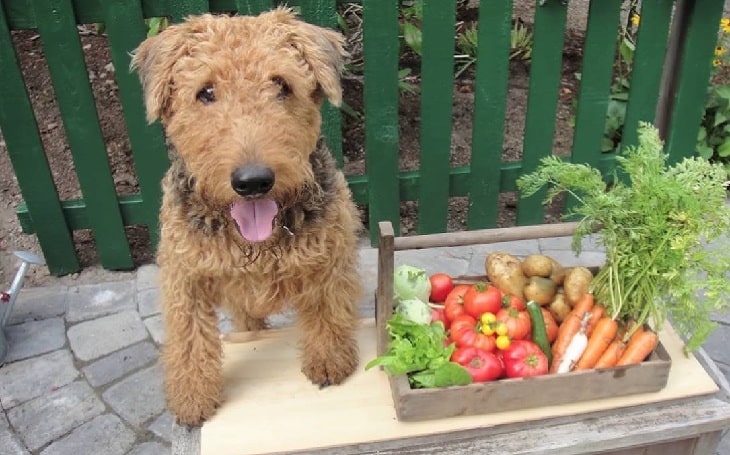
x: 444, y: 333
x: 655, y: 222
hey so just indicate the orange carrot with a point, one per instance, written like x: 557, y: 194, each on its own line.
x: 603, y: 334
x: 610, y: 356
x: 639, y: 347
x: 568, y: 329
x: 597, y: 313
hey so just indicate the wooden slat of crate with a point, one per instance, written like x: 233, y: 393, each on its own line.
x: 271, y: 407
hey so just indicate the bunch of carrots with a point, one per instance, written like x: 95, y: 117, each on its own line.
x: 590, y: 338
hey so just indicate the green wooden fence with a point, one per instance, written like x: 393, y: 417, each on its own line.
x: 106, y: 213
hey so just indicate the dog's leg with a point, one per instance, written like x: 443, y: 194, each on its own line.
x: 192, y: 350
x: 243, y: 320
x: 328, y: 318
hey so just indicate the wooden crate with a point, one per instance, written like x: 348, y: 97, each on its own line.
x: 507, y: 394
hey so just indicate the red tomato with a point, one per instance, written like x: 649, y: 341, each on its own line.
x: 441, y: 285
x: 465, y: 332
x: 437, y: 314
x: 454, y: 303
x: 524, y: 359
x: 482, y: 298
x: 518, y: 322
x: 482, y: 366
x: 512, y: 301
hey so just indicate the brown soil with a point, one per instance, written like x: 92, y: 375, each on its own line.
x: 101, y: 73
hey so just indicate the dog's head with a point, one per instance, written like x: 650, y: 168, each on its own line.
x: 239, y: 98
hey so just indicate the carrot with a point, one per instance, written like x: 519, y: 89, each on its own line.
x: 569, y: 328
x: 639, y: 348
x: 610, y: 356
x: 575, y: 349
x: 597, y: 313
x: 603, y: 334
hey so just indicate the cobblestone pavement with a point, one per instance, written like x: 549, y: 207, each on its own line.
x: 82, y: 374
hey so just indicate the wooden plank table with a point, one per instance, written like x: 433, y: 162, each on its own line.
x: 271, y: 408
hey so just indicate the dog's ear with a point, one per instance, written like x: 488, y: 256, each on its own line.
x: 323, y: 50
x: 154, y: 60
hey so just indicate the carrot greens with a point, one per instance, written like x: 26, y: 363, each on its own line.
x: 655, y: 221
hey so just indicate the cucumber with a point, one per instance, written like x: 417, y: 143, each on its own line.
x: 539, y: 335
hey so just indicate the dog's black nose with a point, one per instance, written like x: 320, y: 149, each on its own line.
x: 252, y: 180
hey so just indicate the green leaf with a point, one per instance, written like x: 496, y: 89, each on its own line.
x: 626, y: 50
x: 705, y: 151
x: 701, y: 134
x: 607, y: 145
x: 719, y: 118
x: 723, y: 92
x: 412, y: 36
x: 724, y: 149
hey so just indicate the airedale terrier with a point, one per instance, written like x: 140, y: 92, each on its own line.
x: 255, y: 218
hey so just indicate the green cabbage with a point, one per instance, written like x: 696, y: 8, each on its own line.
x: 411, y: 283
x: 414, y: 310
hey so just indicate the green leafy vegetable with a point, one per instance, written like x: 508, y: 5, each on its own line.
x: 419, y: 351
x: 655, y: 230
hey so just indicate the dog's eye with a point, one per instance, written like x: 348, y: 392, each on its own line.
x: 206, y: 95
x: 284, y: 89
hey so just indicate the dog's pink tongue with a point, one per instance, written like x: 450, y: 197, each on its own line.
x: 255, y: 219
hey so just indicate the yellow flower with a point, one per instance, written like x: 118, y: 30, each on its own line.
x: 725, y: 24
x: 635, y: 19
x: 720, y: 51
x: 716, y: 62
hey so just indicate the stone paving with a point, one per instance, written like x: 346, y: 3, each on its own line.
x: 82, y: 374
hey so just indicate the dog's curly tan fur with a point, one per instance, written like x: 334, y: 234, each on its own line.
x: 233, y: 92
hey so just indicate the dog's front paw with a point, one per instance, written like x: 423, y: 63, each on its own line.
x: 193, y: 412
x: 331, y: 367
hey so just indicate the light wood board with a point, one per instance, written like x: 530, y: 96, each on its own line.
x: 270, y: 407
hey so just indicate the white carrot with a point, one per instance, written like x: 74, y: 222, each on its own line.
x: 575, y: 348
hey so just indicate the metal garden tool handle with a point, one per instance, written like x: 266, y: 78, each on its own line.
x: 7, y: 300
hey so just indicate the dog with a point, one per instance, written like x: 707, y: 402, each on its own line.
x: 255, y: 217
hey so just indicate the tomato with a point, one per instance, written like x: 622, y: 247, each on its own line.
x: 512, y: 301
x: 551, y: 326
x: 465, y: 331
x: 437, y: 314
x: 441, y: 285
x: 454, y: 303
x: 482, y: 366
x: 482, y: 298
x: 518, y: 322
x: 524, y: 359
x: 502, y: 342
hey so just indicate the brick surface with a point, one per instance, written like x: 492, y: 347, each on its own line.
x: 162, y: 426
x: 94, y: 300
x: 105, y: 434
x: 148, y: 302
x: 155, y: 326
x: 93, y: 339
x: 10, y: 444
x: 147, y: 277
x: 151, y: 448
x: 28, y: 379
x: 39, y: 303
x: 54, y: 414
x: 138, y: 397
x: 120, y: 363
x: 34, y: 338
x: 454, y: 261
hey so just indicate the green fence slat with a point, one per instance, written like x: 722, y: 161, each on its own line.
x: 646, y: 73
x: 253, y: 7
x: 25, y: 149
x: 437, y: 88
x: 545, y: 72
x: 380, y: 49
x: 126, y: 29
x: 324, y: 13
x: 694, y: 73
x: 62, y: 48
x: 595, y: 82
x: 180, y: 9
x: 490, y: 102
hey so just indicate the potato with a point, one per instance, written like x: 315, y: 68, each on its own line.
x: 557, y: 274
x: 576, y: 284
x: 541, y: 290
x: 505, y: 272
x: 537, y: 265
x: 559, y: 308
